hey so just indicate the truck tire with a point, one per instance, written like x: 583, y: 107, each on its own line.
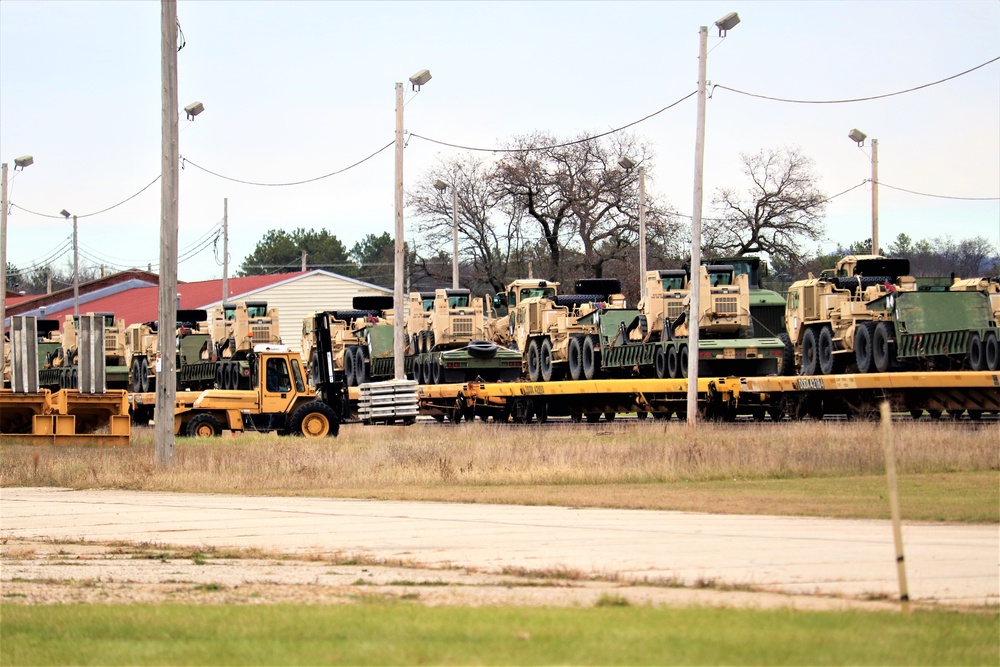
x: 673, y: 363
x: 361, y: 369
x: 545, y: 367
x: 660, y: 363
x: 482, y: 349
x: 788, y: 356
x: 204, y: 426
x: 534, y: 361
x: 810, y: 358
x: 144, y: 383
x: 977, y: 358
x: 575, y: 358
x: 863, y: 342
x: 418, y: 370
x: 133, y: 376
x: 590, y: 360
x: 824, y: 350
x: 314, y: 370
x: 682, y: 361
x: 883, y: 349
x: 437, y: 372
x: 314, y: 420
x: 349, y: 375
x: 992, y: 348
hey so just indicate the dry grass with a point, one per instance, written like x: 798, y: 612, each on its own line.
x: 618, y: 465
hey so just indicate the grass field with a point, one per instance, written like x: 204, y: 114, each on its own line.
x: 404, y: 634
x: 948, y: 472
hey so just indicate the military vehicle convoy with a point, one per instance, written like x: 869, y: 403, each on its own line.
x: 869, y: 315
x: 60, y: 370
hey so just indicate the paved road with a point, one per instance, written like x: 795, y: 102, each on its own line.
x: 955, y: 564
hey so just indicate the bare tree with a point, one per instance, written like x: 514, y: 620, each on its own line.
x: 489, y: 239
x: 781, y: 209
x: 584, y: 204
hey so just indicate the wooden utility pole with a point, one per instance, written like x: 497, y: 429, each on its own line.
x: 397, y: 282
x: 695, y: 283
x: 642, y: 231
x: 166, y: 378
x: 897, y: 530
x: 875, y: 197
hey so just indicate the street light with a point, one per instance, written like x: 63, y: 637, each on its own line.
x: 193, y: 109
x: 398, y: 338
x: 724, y: 24
x: 858, y: 137
x: 627, y: 164
x: 19, y: 163
x: 442, y: 186
x: 76, y: 267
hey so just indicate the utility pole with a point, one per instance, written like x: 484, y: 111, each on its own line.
x: 3, y: 259
x: 454, y: 237
x: 642, y: 231
x: 225, y: 249
x: 397, y: 283
x: 76, y: 274
x: 166, y: 378
x: 304, y: 255
x: 875, y: 196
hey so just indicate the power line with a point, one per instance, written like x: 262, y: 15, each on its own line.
x: 926, y: 194
x: 563, y: 145
x: 185, y: 161
x: 88, y: 215
x: 858, y: 99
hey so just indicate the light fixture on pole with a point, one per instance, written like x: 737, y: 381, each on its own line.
x: 19, y: 163
x: 398, y: 338
x: 858, y: 137
x: 628, y: 165
x: 193, y: 109
x: 442, y: 186
x: 724, y: 24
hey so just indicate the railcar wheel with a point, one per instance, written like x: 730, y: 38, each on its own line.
x: 541, y: 411
x: 545, y: 369
x: 610, y: 416
x: 916, y: 414
x: 590, y: 357
x: 810, y: 356
x: 593, y: 417
x: 204, y: 426
x: 523, y: 411
x: 863, y: 347
x: 883, y: 349
x: 314, y: 420
x: 824, y: 350
x: 991, y: 346
x: 534, y: 361
x: 576, y: 417
x: 660, y: 363
x: 575, y: 358
x: 977, y: 358
x: 642, y: 415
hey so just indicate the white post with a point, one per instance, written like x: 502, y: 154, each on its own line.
x: 76, y: 274
x: 225, y: 249
x: 642, y: 231
x: 397, y: 283
x: 699, y: 177
x: 875, y: 197
x: 3, y: 260
x: 897, y: 530
x: 454, y: 235
x: 166, y: 378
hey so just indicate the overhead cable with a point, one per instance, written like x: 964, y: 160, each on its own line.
x: 926, y: 194
x: 858, y: 99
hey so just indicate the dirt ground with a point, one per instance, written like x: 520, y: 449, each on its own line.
x: 33, y: 572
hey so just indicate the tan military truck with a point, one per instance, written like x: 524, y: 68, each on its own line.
x: 347, y: 331
x: 61, y: 370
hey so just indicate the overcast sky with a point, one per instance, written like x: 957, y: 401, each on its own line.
x: 294, y: 90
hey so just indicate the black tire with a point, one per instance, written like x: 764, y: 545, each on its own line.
x: 991, y: 346
x: 673, y: 363
x: 428, y: 370
x: 430, y: 341
x: 590, y: 360
x: 977, y: 357
x: 824, y: 350
x: 863, y: 343
x: 133, y: 376
x: 682, y: 361
x: 575, y: 358
x: 534, y: 361
x: 314, y: 420
x: 204, y: 426
x: 74, y: 379
x: 437, y: 372
x: 362, y: 372
x: 660, y: 363
x: 883, y: 349
x: 482, y: 349
x: 144, y: 383
x: 418, y: 371
x: 349, y: 374
x: 545, y: 366
x: 810, y: 356
x: 422, y: 343
x: 787, y: 356
x: 314, y: 370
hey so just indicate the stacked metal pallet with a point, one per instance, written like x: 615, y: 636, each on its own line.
x: 388, y: 402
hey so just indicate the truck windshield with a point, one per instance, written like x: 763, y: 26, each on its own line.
x: 258, y: 310
x: 545, y: 292
x: 277, y: 375
x: 458, y: 301
x: 719, y: 279
x: 673, y: 283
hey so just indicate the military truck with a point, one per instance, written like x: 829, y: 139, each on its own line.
x: 984, y: 349
x: 346, y: 329
x: 61, y: 372
x: 235, y: 329
x: 280, y: 400
x: 196, y: 364
x: 652, y: 341
x: 49, y: 344
x: 453, y: 346
x: 869, y: 315
x: 767, y: 307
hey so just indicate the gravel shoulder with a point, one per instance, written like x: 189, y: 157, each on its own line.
x: 42, y: 572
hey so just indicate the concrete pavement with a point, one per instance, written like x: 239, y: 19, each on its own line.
x: 952, y: 564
